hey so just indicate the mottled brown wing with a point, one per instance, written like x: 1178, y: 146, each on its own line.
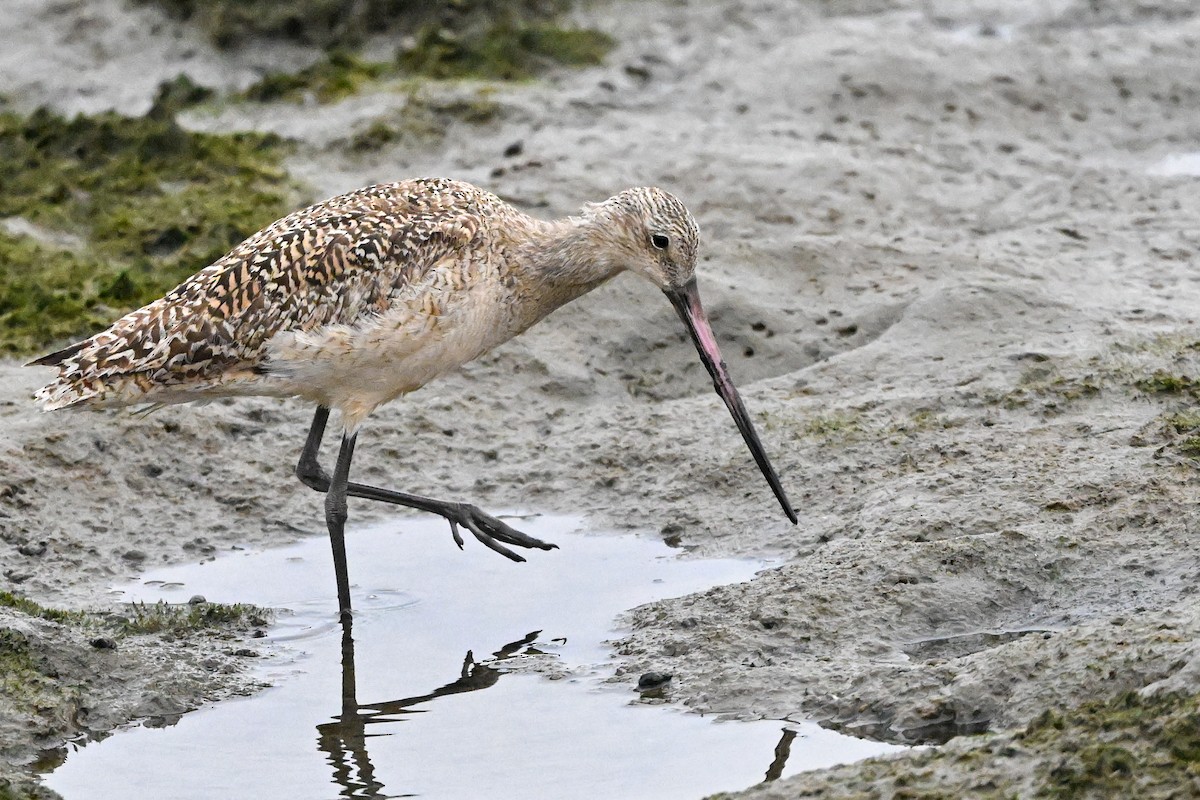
x: 333, y: 269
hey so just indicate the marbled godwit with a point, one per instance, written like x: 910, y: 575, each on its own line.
x: 370, y: 295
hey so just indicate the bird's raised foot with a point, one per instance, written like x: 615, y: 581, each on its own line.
x: 490, y: 530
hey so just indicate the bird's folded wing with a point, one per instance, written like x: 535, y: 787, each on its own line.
x: 319, y: 271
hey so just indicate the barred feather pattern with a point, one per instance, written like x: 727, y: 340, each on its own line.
x: 357, y: 300
x: 335, y: 263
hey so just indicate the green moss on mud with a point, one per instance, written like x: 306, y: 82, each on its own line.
x: 509, y: 49
x: 424, y: 119
x: 29, y: 607
x: 316, y: 22
x: 840, y: 425
x: 24, y: 788
x: 125, y: 208
x: 324, y: 23
x: 32, y: 682
x: 1185, y: 426
x: 141, y: 618
x: 55, y: 664
x: 1130, y: 366
x: 1129, y: 746
x: 161, y: 617
x: 480, y: 39
x: 22, y: 674
x: 1180, y: 427
x: 1046, y: 385
x: 1125, y: 746
x: 1166, y: 383
x: 484, y: 38
x: 336, y: 75
x: 179, y: 93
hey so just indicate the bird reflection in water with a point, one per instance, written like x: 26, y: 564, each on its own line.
x: 344, y: 740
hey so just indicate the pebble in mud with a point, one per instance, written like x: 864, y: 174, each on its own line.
x: 200, y: 544
x: 32, y: 549
x: 653, y: 681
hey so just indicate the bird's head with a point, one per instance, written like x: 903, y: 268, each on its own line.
x: 648, y: 231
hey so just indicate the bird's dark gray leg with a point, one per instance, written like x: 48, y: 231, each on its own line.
x: 335, y: 516
x: 308, y: 468
x: 492, y: 532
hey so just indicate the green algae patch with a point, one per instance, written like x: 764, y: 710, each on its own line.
x: 179, y: 93
x: 24, y: 787
x: 140, y: 618
x: 1185, y: 427
x: 471, y: 39
x: 49, y: 294
x: 147, y: 618
x: 22, y: 672
x: 840, y: 425
x: 116, y: 210
x: 338, y: 74
x: 424, y: 119
x: 1045, y: 385
x: 324, y: 23
x: 30, y: 608
x: 476, y: 37
x: 509, y: 49
x: 1130, y: 746
x: 1124, y: 746
x: 57, y: 667
x: 1166, y: 383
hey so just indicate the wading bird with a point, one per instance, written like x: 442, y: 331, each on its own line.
x: 370, y: 295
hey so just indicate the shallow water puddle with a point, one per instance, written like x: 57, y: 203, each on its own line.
x: 1177, y: 164
x: 418, y: 702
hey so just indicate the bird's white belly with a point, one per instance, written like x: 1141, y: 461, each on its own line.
x: 357, y: 368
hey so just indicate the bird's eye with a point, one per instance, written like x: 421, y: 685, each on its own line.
x: 660, y: 241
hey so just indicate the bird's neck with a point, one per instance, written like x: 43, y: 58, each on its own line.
x: 570, y: 257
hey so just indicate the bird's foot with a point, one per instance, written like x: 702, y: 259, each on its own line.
x: 491, y: 531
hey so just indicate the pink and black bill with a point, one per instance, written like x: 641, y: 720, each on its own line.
x: 686, y: 300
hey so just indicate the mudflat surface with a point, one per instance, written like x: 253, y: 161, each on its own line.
x: 950, y: 256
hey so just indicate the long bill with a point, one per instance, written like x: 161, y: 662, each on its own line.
x: 686, y: 300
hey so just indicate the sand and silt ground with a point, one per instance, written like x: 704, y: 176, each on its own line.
x: 950, y: 250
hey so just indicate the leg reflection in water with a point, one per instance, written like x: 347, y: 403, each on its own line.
x: 344, y: 740
x: 782, y: 751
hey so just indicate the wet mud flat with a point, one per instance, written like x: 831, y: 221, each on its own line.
x: 952, y: 263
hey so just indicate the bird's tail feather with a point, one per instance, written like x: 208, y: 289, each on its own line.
x: 67, y: 394
x: 79, y: 382
x: 58, y: 356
